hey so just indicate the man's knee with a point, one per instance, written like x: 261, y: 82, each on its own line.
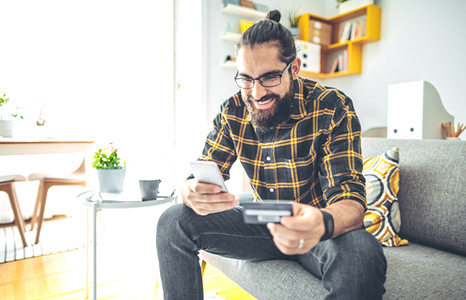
x: 169, y: 221
x: 360, y: 245
x: 355, y: 259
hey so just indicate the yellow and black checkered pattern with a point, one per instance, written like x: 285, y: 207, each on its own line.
x: 314, y: 157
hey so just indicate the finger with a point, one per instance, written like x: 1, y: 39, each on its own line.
x: 204, y: 188
x: 206, y: 192
x: 284, y: 233
x: 210, y: 203
x: 213, y: 200
x: 288, y: 241
x: 305, y: 218
x: 293, y: 248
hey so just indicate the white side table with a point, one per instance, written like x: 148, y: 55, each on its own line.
x: 95, y: 202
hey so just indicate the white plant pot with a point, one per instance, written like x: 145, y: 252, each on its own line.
x: 295, y: 32
x: 111, y: 180
x: 353, y: 4
x: 6, y: 128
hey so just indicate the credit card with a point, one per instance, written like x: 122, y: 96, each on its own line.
x: 268, y: 211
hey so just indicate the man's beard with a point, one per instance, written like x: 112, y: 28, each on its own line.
x: 268, y: 119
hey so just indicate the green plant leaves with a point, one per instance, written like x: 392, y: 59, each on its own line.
x: 107, y: 158
x: 4, y: 100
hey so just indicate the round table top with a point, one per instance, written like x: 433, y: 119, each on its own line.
x: 117, y: 200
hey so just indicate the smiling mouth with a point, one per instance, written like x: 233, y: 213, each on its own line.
x: 264, y: 104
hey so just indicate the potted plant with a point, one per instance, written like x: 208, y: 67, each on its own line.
x: 7, y: 117
x: 339, y: 2
x: 293, y: 18
x: 110, y: 168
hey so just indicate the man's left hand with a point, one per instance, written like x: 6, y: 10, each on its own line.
x: 300, y: 233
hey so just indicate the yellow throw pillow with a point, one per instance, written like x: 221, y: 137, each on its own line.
x: 382, y: 217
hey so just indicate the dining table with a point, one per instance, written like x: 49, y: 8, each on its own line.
x: 26, y: 146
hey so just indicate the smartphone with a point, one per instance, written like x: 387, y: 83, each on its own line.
x: 208, y: 172
x: 268, y: 211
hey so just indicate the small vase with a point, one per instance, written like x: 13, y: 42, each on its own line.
x: 295, y: 32
x: 111, y: 180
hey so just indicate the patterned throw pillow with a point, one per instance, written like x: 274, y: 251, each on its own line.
x: 382, y: 217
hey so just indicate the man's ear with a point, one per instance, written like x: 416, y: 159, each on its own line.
x: 296, y: 67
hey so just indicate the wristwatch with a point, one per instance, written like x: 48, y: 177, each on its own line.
x: 328, y: 223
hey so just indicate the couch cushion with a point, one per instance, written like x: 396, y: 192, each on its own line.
x: 272, y: 279
x: 414, y: 272
x: 432, y: 194
x: 382, y: 217
x: 420, y: 272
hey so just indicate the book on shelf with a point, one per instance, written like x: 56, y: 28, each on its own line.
x: 334, y: 66
x: 341, y: 62
x: 345, y: 33
x: 353, y: 30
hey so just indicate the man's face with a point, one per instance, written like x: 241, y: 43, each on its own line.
x: 268, y: 106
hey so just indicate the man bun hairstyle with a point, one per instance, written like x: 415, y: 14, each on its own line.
x: 273, y: 15
x: 270, y: 31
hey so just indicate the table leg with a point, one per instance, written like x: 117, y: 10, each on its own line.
x: 88, y: 212
x: 94, y: 245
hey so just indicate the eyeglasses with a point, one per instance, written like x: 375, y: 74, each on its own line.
x: 265, y: 81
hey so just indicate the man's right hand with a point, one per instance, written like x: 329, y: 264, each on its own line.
x: 206, y: 198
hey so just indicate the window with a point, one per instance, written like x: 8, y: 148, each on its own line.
x: 100, y: 70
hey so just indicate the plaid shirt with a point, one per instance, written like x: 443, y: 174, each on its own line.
x: 313, y: 158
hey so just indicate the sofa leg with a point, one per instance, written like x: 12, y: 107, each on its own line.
x: 203, y: 266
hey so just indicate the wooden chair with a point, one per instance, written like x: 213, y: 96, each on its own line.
x: 7, y: 186
x: 77, y: 178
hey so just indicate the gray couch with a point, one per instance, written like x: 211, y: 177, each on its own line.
x: 432, y: 200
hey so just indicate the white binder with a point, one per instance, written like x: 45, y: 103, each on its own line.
x: 415, y: 111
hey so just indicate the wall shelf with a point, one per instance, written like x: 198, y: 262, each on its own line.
x: 234, y: 37
x: 231, y: 36
x: 243, y: 11
x: 229, y: 64
x: 371, y: 14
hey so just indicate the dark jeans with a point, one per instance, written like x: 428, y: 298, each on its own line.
x: 351, y: 266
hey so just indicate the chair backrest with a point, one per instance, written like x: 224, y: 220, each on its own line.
x: 81, y: 169
x: 15, y: 177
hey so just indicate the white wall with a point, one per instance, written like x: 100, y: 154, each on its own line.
x: 420, y: 40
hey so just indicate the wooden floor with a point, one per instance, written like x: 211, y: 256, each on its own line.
x: 62, y: 276
x: 127, y: 266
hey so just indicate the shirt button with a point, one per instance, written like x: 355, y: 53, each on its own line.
x: 268, y: 158
x: 272, y: 190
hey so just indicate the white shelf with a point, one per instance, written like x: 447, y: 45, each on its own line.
x: 229, y: 64
x: 243, y: 11
x: 232, y: 37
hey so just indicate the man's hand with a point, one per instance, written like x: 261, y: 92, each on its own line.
x: 307, y: 225
x: 205, y: 198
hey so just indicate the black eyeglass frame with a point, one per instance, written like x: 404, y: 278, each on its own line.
x: 261, y: 78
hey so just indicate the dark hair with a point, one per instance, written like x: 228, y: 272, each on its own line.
x: 271, y: 31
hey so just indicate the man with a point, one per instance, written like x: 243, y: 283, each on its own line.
x: 296, y: 140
